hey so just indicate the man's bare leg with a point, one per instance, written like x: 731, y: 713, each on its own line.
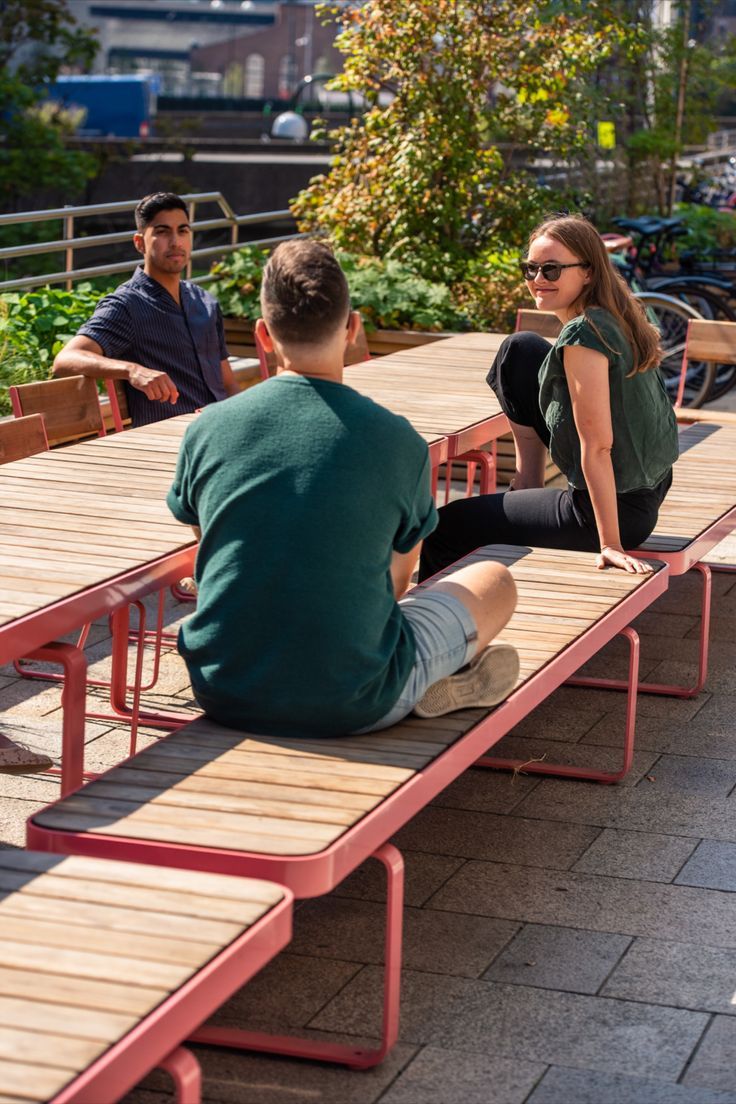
x: 488, y: 591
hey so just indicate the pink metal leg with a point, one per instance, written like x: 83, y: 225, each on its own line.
x: 561, y: 771
x: 73, y: 699
x: 121, y: 710
x: 667, y: 688
x: 185, y: 1072
x: 355, y: 1057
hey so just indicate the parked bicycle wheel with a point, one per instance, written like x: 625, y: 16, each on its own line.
x: 713, y: 306
x: 671, y: 316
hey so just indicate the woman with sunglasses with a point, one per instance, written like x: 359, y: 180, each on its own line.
x: 595, y: 399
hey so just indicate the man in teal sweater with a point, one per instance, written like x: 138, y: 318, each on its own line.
x: 311, y: 502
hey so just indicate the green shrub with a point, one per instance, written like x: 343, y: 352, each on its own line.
x: 34, y: 326
x: 237, y: 282
x: 493, y: 291
x: 707, y: 227
x: 387, y: 293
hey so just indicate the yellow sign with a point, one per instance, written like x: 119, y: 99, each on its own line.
x: 607, y: 135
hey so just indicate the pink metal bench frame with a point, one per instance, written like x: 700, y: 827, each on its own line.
x: 316, y: 874
x: 156, y: 1040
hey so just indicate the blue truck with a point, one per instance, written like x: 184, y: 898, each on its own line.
x: 121, y: 106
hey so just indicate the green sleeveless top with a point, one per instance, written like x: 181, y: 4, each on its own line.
x: 644, y: 426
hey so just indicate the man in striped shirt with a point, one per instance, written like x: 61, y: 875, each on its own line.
x: 161, y: 335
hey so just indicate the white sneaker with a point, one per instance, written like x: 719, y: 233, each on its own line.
x: 490, y: 677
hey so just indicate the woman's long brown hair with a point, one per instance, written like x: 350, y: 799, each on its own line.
x: 606, y: 287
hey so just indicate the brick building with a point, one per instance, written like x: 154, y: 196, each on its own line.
x: 271, y: 62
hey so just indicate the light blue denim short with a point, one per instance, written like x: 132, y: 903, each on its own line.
x: 446, y: 639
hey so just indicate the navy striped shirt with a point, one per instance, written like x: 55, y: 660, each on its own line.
x: 141, y: 322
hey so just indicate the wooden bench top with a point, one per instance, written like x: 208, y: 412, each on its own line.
x: 702, y: 498
x: 207, y: 785
x: 89, y: 947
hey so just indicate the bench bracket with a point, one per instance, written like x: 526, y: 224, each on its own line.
x: 315, y: 1049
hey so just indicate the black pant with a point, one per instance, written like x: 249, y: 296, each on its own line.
x: 542, y: 517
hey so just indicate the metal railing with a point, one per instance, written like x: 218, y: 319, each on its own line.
x: 69, y: 244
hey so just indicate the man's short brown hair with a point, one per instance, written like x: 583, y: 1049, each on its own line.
x: 304, y: 295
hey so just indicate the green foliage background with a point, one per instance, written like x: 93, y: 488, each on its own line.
x: 34, y: 325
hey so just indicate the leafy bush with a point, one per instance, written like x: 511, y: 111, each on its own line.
x: 237, y: 282
x: 390, y: 296
x: 34, y: 326
x: 707, y: 227
x: 387, y: 293
x: 493, y: 291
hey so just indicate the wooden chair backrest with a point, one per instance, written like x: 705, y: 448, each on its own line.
x: 21, y: 437
x: 118, y: 404
x: 70, y: 407
x: 711, y: 341
x: 355, y: 353
x: 544, y: 323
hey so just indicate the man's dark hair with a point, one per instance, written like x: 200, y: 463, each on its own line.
x: 154, y: 204
x: 304, y: 295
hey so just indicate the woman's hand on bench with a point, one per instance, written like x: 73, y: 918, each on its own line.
x: 616, y: 557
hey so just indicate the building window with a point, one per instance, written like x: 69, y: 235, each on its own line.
x: 255, y: 70
x: 287, y: 75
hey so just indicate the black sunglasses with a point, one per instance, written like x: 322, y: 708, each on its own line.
x: 551, y: 270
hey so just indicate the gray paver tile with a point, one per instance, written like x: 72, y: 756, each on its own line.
x: 232, y: 1077
x: 685, y: 975
x: 710, y: 777
x: 485, y: 835
x: 713, y: 1065
x: 486, y: 791
x: 720, y: 710
x: 719, y: 678
x: 713, y: 864
x: 705, y: 741
x: 649, y: 856
x: 592, y: 902
x: 602, y: 758
x: 424, y: 874
x: 436, y: 1074
x: 438, y: 942
x: 653, y: 623
x: 569, y: 959
x: 678, y: 710
x: 286, y: 993
x: 516, y: 1021
x: 569, y: 1086
x: 640, y: 809
x: 721, y: 627
x: 13, y: 815
x: 564, y: 724
x: 653, y: 734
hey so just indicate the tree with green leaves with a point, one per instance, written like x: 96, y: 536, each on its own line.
x: 431, y: 177
x: 37, y: 39
x: 672, y: 97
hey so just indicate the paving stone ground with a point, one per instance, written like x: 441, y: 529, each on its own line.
x: 565, y: 943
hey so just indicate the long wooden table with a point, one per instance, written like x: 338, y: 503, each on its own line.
x: 85, y: 531
x: 440, y: 387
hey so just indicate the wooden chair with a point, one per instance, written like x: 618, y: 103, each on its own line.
x: 356, y: 352
x: 22, y: 437
x: 70, y: 407
x: 713, y: 342
x: 544, y: 323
